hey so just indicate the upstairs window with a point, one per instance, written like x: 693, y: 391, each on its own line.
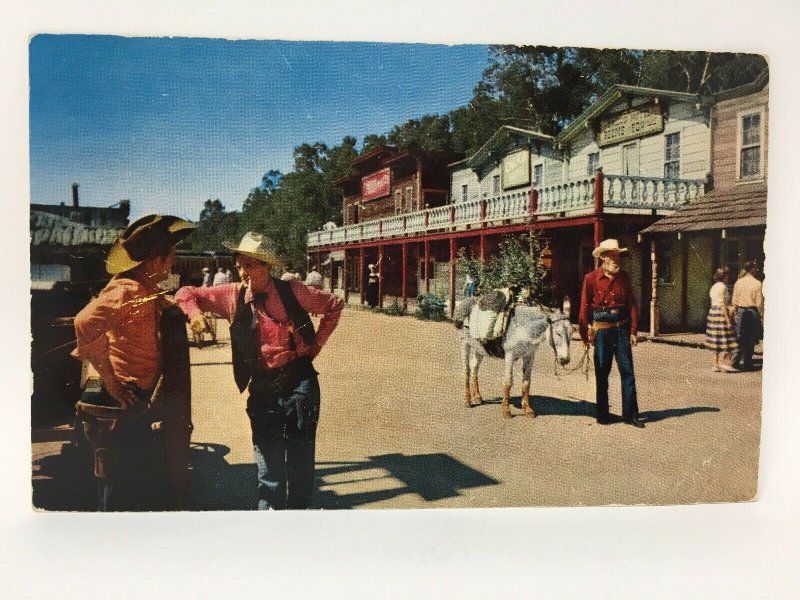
x: 672, y: 156
x: 594, y: 162
x: 537, y: 175
x: 496, y: 184
x: 464, y: 193
x: 750, y: 146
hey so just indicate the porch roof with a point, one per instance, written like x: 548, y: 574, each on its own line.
x: 718, y: 209
x: 499, y: 140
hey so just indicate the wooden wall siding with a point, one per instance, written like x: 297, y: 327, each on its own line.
x: 470, y: 179
x: 726, y: 132
x: 683, y: 117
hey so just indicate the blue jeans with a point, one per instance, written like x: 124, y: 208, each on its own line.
x: 284, y: 440
x: 609, y: 344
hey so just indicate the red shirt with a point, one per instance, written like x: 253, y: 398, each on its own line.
x: 273, y: 324
x: 599, y: 292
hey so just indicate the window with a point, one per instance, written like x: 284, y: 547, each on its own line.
x: 398, y: 202
x: 672, y: 156
x: 409, y: 199
x: 594, y: 162
x: 537, y: 175
x: 750, y: 146
x: 630, y: 160
x: 464, y: 193
x: 496, y: 184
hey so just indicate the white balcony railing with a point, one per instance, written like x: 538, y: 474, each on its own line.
x: 566, y: 199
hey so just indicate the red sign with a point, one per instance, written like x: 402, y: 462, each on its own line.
x: 376, y: 185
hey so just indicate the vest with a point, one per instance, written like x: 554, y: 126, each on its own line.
x: 244, y: 334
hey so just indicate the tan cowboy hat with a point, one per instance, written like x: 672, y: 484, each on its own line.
x: 143, y: 237
x: 258, y: 246
x: 607, y: 246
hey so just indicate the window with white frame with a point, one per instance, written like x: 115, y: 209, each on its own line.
x: 750, y: 146
x: 594, y: 162
x: 672, y: 156
x: 496, y: 184
x: 537, y: 174
x: 398, y: 202
x: 464, y: 192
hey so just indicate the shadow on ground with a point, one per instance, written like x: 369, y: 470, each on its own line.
x: 217, y: 485
x: 65, y: 481
x: 431, y: 476
x: 547, y: 405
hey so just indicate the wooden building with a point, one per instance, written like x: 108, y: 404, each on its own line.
x: 634, y: 156
x: 726, y: 227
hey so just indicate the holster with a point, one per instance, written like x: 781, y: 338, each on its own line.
x: 105, y: 426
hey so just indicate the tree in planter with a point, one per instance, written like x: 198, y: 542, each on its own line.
x: 518, y: 263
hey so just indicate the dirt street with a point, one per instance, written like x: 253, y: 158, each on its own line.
x: 394, y: 432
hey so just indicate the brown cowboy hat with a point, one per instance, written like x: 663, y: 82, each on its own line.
x: 142, y: 238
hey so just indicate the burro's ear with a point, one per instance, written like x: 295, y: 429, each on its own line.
x: 566, y: 305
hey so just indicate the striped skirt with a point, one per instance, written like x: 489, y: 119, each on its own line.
x: 720, y: 337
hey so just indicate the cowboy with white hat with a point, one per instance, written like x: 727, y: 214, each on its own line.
x: 117, y: 334
x: 609, y: 321
x: 273, y: 343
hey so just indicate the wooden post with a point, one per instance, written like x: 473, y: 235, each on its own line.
x: 344, y: 276
x: 533, y: 203
x: 319, y: 261
x: 452, y: 216
x: 598, y: 211
x: 654, y: 325
x: 684, y: 281
x: 380, y: 276
x: 483, y: 212
x: 404, y: 273
x: 452, y: 275
x: 425, y: 270
x: 361, y: 273
x: 483, y: 248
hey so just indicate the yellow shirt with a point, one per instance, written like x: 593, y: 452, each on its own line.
x: 747, y: 292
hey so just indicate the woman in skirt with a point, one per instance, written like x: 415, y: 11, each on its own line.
x: 720, y: 335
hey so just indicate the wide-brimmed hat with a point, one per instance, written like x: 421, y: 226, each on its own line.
x: 143, y: 237
x: 258, y: 246
x: 607, y: 246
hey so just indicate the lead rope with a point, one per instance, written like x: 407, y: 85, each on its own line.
x: 584, y: 364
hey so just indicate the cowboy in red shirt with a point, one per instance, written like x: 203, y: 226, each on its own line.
x: 608, y: 319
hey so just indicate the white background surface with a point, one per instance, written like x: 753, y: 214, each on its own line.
x: 722, y: 551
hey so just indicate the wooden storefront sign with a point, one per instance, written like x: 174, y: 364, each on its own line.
x: 376, y: 185
x: 632, y: 124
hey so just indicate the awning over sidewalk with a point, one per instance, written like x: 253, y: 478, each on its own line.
x: 718, y: 209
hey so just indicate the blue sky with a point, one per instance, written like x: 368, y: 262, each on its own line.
x: 171, y: 122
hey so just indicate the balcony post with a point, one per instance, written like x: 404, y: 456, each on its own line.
x: 425, y: 220
x: 483, y: 212
x: 344, y: 275
x: 380, y: 276
x: 598, y: 210
x: 425, y: 268
x: 452, y: 216
x: 533, y: 203
x: 452, y: 275
x: 404, y: 273
x: 361, y: 273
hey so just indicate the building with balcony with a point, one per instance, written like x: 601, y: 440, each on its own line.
x: 727, y: 226
x: 634, y: 156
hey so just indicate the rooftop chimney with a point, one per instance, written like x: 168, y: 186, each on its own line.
x: 74, y: 195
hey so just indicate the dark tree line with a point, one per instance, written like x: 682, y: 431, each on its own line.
x: 534, y: 87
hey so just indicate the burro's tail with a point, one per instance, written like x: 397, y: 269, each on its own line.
x: 462, y: 311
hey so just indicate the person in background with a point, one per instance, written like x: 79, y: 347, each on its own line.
x: 720, y: 337
x: 273, y: 344
x: 470, y: 286
x: 314, y: 278
x: 609, y: 320
x: 219, y: 277
x: 373, y: 280
x: 208, y: 278
x: 228, y: 276
x: 748, y: 299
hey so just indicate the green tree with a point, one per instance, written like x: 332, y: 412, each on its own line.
x: 214, y: 226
